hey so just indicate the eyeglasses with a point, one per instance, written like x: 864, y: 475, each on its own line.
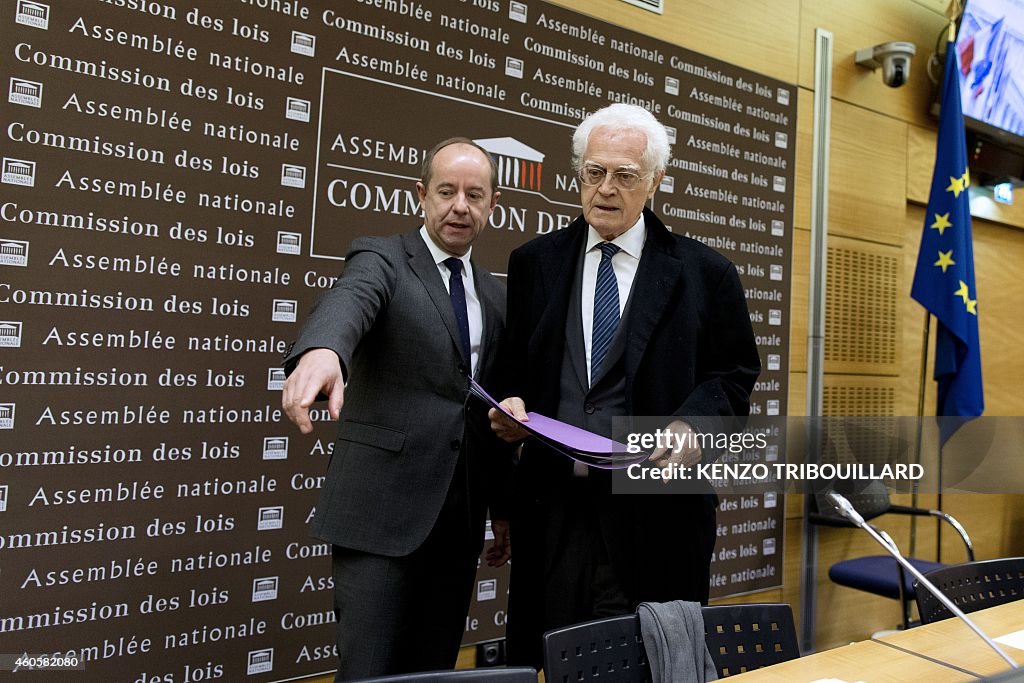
x: 593, y: 174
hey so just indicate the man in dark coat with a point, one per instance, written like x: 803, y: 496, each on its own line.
x: 615, y: 316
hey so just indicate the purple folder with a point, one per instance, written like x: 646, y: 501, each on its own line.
x: 591, y: 449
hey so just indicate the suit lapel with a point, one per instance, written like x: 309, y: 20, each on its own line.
x: 556, y: 270
x: 557, y: 267
x: 655, y: 283
x: 422, y: 264
x: 574, y: 328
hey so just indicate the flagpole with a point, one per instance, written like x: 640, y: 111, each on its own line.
x: 921, y: 383
x: 955, y: 5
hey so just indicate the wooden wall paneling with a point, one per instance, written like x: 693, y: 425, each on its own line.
x: 937, y: 6
x: 920, y: 164
x: 998, y: 255
x: 1012, y: 527
x: 983, y: 206
x: 760, y: 36
x: 798, y: 392
x: 868, y: 175
x: 990, y: 521
x: 867, y: 23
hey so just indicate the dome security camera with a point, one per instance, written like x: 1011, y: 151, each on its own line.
x: 893, y: 58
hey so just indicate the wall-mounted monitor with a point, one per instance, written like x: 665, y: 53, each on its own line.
x: 990, y: 54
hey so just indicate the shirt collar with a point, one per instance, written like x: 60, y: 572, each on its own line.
x: 440, y: 255
x: 631, y: 241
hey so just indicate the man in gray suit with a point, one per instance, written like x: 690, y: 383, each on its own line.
x: 409, y: 480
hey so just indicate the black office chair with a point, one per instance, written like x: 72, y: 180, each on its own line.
x: 745, y: 637
x: 872, y: 441
x: 881, y: 574
x: 739, y: 638
x: 510, y: 675
x: 972, y: 586
x: 609, y: 650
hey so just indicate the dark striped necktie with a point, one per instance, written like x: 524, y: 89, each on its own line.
x: 606, y: 309
x: 457, y: 292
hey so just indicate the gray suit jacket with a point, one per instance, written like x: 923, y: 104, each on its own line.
x: 405, y: 417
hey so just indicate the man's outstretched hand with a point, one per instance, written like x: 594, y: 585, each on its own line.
x: 318, y: 370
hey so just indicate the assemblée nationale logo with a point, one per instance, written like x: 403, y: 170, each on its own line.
x: 26, y: 93
x: 10, y: 334
x: 275, y: 448
x: 519, y: 166
x: 13, y: 252
x: 19, y: 172
x: 6, y: 416
x: 34, y: 14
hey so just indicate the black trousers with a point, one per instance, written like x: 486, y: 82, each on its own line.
x: 581, y: 555
x: 404, y: 614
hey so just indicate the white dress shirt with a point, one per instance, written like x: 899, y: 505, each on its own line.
x: 476, y: 316
x: 624, y: 265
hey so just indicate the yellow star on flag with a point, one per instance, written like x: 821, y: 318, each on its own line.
x: 941, y: 222
x: 956, y: 185
x: 945, y: 260
x: 967, y: 178
x: 972, y: 306
x: 962, y: 292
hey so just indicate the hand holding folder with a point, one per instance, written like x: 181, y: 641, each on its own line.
x: 582, y: 446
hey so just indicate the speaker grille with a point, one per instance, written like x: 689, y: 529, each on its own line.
x: 861, y: 310
x: 839, y: 398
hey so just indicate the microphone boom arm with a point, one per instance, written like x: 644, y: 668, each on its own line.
x: 844, y: 508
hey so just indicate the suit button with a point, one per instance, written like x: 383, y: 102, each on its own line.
x: 456, y: 444
x: 462, y: 369
x: 589, y: 408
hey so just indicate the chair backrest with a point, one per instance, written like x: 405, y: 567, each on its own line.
x: 509, y: 675
x: 869, y: 499
x: 608, y: 650
x: 739, y: 637
x: 972, y: 586
x: 746, y: 637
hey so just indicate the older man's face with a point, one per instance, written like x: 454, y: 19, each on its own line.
x: 609, y: 208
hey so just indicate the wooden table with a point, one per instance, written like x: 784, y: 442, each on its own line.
x: 954, y: 644
x: 944, y: 651
x: 866, y: 661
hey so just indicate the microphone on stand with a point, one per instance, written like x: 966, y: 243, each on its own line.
x: 844, y: 508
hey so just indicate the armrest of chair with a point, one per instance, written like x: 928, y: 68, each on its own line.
x: 907, y: 510
x: 829, y: 520
x: 939, y: 514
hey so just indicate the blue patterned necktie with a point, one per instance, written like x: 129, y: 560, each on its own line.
x: 457, y: 292
x: 606, y: 309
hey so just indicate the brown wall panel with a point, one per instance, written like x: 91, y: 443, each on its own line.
x: 868, y: 167
x: 920, y: 160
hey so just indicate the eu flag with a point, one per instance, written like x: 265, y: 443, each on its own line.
x: 944, y: 278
